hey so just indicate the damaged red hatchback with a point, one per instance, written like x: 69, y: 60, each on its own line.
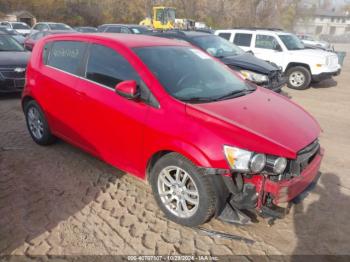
x: 209, y: 143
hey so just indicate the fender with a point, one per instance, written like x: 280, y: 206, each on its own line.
x: 189, y: 151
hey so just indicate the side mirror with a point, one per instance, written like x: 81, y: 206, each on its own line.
x: 128, y: 89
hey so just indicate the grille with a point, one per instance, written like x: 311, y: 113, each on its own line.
x: 304, y: 158
x: 9, y: 73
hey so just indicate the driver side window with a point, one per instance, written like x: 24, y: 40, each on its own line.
x: 265, y: 42
x: 106, y: 67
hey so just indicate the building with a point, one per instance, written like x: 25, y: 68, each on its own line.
x: 20, y: 16
x: 324, y: 23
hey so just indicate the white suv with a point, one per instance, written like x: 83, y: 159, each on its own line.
x: 300, y: 65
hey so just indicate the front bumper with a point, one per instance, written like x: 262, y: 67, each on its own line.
x: 11, y: 81
x: 325, y: 75
x: 276, y: 82
x: 286, y: 191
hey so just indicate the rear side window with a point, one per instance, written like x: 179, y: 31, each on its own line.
x: 107, y: 67
x: 226, y: 36
x: 67, y: 55
x: 242, y: 39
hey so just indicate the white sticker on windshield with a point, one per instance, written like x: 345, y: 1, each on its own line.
x: 200, y: 54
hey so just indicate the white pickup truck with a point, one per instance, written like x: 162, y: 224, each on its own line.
x: 300, y: 65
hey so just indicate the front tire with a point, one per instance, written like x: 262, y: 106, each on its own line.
x: 182, y: 191
x: 37, y: 124
x: 299, y: 78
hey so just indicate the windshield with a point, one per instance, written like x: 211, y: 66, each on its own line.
x: 59, y: 27
x: 217, y: 46
x: 140, y: 30
x: 292, y: 42
x: 20, y: 26
x: 190, y: 74
x: 7, y: 43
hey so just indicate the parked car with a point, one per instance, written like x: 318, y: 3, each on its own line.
x: 86, y: 29
x: 20, y: 27
x: 50, y: 26
x: 31, y: 40
x: 253, y: 69
x: 123, y: 28
x: 20, y: 38
x: 300, y: 65
x: 209, y: 143
x: 311, y: 42
x: 13, y: 63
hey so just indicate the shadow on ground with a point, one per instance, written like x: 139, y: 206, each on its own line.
x: 318, y: 227
x: 325, y: 83
x: 42, y: 186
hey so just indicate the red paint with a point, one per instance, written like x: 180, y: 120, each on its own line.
x: 127, y: 133
x: 296, y: 185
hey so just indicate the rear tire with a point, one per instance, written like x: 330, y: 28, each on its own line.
x: 299, y: 78
x: 37, y: 124
x: 171, y: 178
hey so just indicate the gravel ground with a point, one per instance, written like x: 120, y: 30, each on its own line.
x: 58, y: 200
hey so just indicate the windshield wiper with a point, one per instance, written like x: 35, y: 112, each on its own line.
x: 196, y: 99
x: 235, y: 94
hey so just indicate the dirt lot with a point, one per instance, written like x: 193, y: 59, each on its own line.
x: 58, y: 200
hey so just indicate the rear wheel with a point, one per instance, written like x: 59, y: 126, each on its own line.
x: 299, y: 78
x: 37, y: 124
x: 184, y: 194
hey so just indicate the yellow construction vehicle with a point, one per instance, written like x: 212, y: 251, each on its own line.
x: 163, y: 18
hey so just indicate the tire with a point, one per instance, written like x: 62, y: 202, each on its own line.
x: 299, y: 78
x: 37, y: 124
x: 196, y: 181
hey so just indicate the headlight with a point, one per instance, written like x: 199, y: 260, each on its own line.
x: 257, y: 163
x: 279, y: 165
x: 243, y: 160
x: 254, y: 77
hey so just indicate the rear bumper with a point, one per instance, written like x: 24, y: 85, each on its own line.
x: 286, y: 191
x: 326, y: 75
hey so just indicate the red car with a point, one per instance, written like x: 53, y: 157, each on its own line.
x: 209, y: 143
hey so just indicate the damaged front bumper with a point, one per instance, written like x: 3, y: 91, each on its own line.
x: 258, y: 194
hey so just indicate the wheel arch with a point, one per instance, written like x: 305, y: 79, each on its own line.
x: 294, y: 64
x: 25, y: 100
x: 191, y: 153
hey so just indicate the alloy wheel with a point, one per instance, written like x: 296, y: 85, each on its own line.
x: 178, y: 191
x: 35, y: 123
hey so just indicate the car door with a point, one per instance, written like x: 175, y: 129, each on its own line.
x: 113, y: 124
x: 59, y: 94
x: 267, y: 47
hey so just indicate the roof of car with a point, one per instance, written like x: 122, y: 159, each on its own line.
x: 278, y: 32
x: 129, y: 40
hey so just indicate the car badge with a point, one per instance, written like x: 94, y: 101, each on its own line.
x: 19, y: 70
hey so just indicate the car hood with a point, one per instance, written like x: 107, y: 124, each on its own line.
x: 9, y: 59
x: 261, y: 121
x: 310, y: 52
x: 249, y: 62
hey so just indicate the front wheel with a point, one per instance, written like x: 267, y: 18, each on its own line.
x: 299, y: 78
x: 184, y: 194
